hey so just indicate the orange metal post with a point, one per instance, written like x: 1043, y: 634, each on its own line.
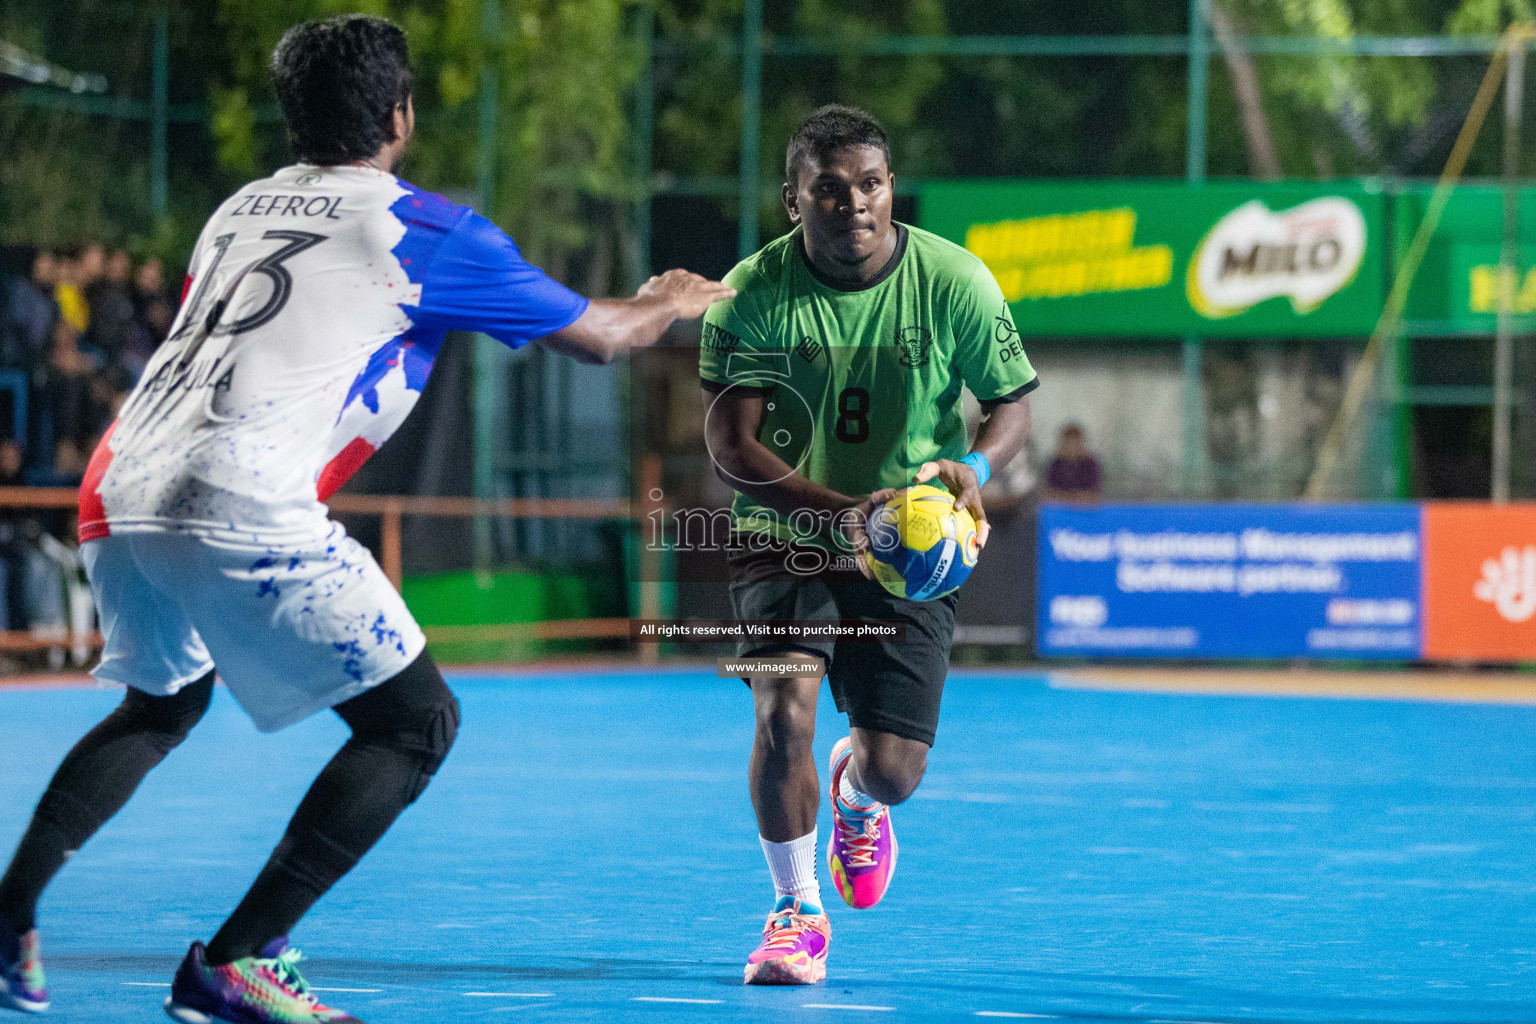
x: 389, y: 543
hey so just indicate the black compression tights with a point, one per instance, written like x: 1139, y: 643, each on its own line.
x: 96, y: 778
x: 401, y: 732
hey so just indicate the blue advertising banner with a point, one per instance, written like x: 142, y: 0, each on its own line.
x: 1230, y: 581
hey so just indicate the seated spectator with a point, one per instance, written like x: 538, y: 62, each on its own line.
x: 31, y: 314
x: 111, y: 309
x: 1074, y: 474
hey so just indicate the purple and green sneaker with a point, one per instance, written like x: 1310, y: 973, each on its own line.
x: 794, y: 946
x: 262, y: 989
x: 22, y: 985
x: 862, y: 851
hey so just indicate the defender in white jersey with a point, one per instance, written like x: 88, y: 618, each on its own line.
x: 316, y: 302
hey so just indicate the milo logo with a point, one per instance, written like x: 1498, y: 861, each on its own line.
x: 1306, y: 254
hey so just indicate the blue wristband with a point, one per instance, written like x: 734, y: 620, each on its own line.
x: 983, y: 468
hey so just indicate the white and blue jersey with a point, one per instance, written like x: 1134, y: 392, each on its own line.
x: 316, y: 303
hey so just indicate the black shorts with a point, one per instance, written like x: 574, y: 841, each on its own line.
x: 885, y: 685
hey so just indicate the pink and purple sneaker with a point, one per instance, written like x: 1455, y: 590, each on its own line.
x: 22, y: 985
x: 794, y: 946
x: 862, y: 851
x: 262, y: 989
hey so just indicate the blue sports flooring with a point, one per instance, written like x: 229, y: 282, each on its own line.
x: 588, y: 853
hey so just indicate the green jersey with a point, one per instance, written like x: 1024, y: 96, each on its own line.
x: 862, y: 381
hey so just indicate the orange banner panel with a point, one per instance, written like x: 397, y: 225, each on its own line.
x: 1479, y: 582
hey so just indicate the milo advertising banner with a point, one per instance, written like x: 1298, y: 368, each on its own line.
x: 1162, y: 260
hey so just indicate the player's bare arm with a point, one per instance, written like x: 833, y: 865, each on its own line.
x: 1000, y: 438
x: 733, y: 420
x: 612, y: 327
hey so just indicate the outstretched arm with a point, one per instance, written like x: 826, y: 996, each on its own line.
x: 611, y: 327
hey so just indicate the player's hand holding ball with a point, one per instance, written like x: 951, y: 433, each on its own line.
x: 855, y: 527
x: 921, y: 543
x: 960, y: 479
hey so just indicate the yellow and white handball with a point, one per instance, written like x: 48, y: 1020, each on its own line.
x: 921, y: 546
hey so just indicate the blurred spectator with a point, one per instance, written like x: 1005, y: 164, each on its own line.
x: 31, y: 313
x: 76, y: 275
x: 13, y: 556
x: 72, y: 402
x: 153, y: 314
x: 1074, y: 474
x: 82, y: 327
x: 111, y: 308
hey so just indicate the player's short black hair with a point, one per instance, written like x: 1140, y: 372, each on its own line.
x: 831, y: 128
x: 339, y: 81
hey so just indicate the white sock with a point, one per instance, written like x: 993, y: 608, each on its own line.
x: 793, y: 866
x: 854, y: 797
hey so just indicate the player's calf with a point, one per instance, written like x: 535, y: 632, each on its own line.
x: 782, y: 775
x: 402, y: 731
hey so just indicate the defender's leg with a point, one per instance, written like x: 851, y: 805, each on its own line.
x: 92, y: 784
x: 402, y: 730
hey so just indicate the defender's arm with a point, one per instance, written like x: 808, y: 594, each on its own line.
x: 612, y: 327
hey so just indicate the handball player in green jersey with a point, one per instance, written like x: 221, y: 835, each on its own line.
x: 832, y: 380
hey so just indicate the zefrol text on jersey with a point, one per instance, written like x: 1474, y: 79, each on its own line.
x: 281, y: 205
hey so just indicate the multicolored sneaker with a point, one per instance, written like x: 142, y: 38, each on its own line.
x: 862, y: 851
x: 262, y: 989
x: 22, y: 985
x: 794, y: 946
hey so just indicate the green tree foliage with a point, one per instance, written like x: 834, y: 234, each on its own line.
x: 1336, y: 114
x: 698, y: 123
x: 568, y: 67
x: 65, y: 176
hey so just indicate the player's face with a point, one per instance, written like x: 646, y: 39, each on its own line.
x: 844, y: 201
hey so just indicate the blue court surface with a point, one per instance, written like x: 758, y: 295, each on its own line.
x: 589, y: 853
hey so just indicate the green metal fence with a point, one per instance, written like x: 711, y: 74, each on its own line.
x: 1198, y: 45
